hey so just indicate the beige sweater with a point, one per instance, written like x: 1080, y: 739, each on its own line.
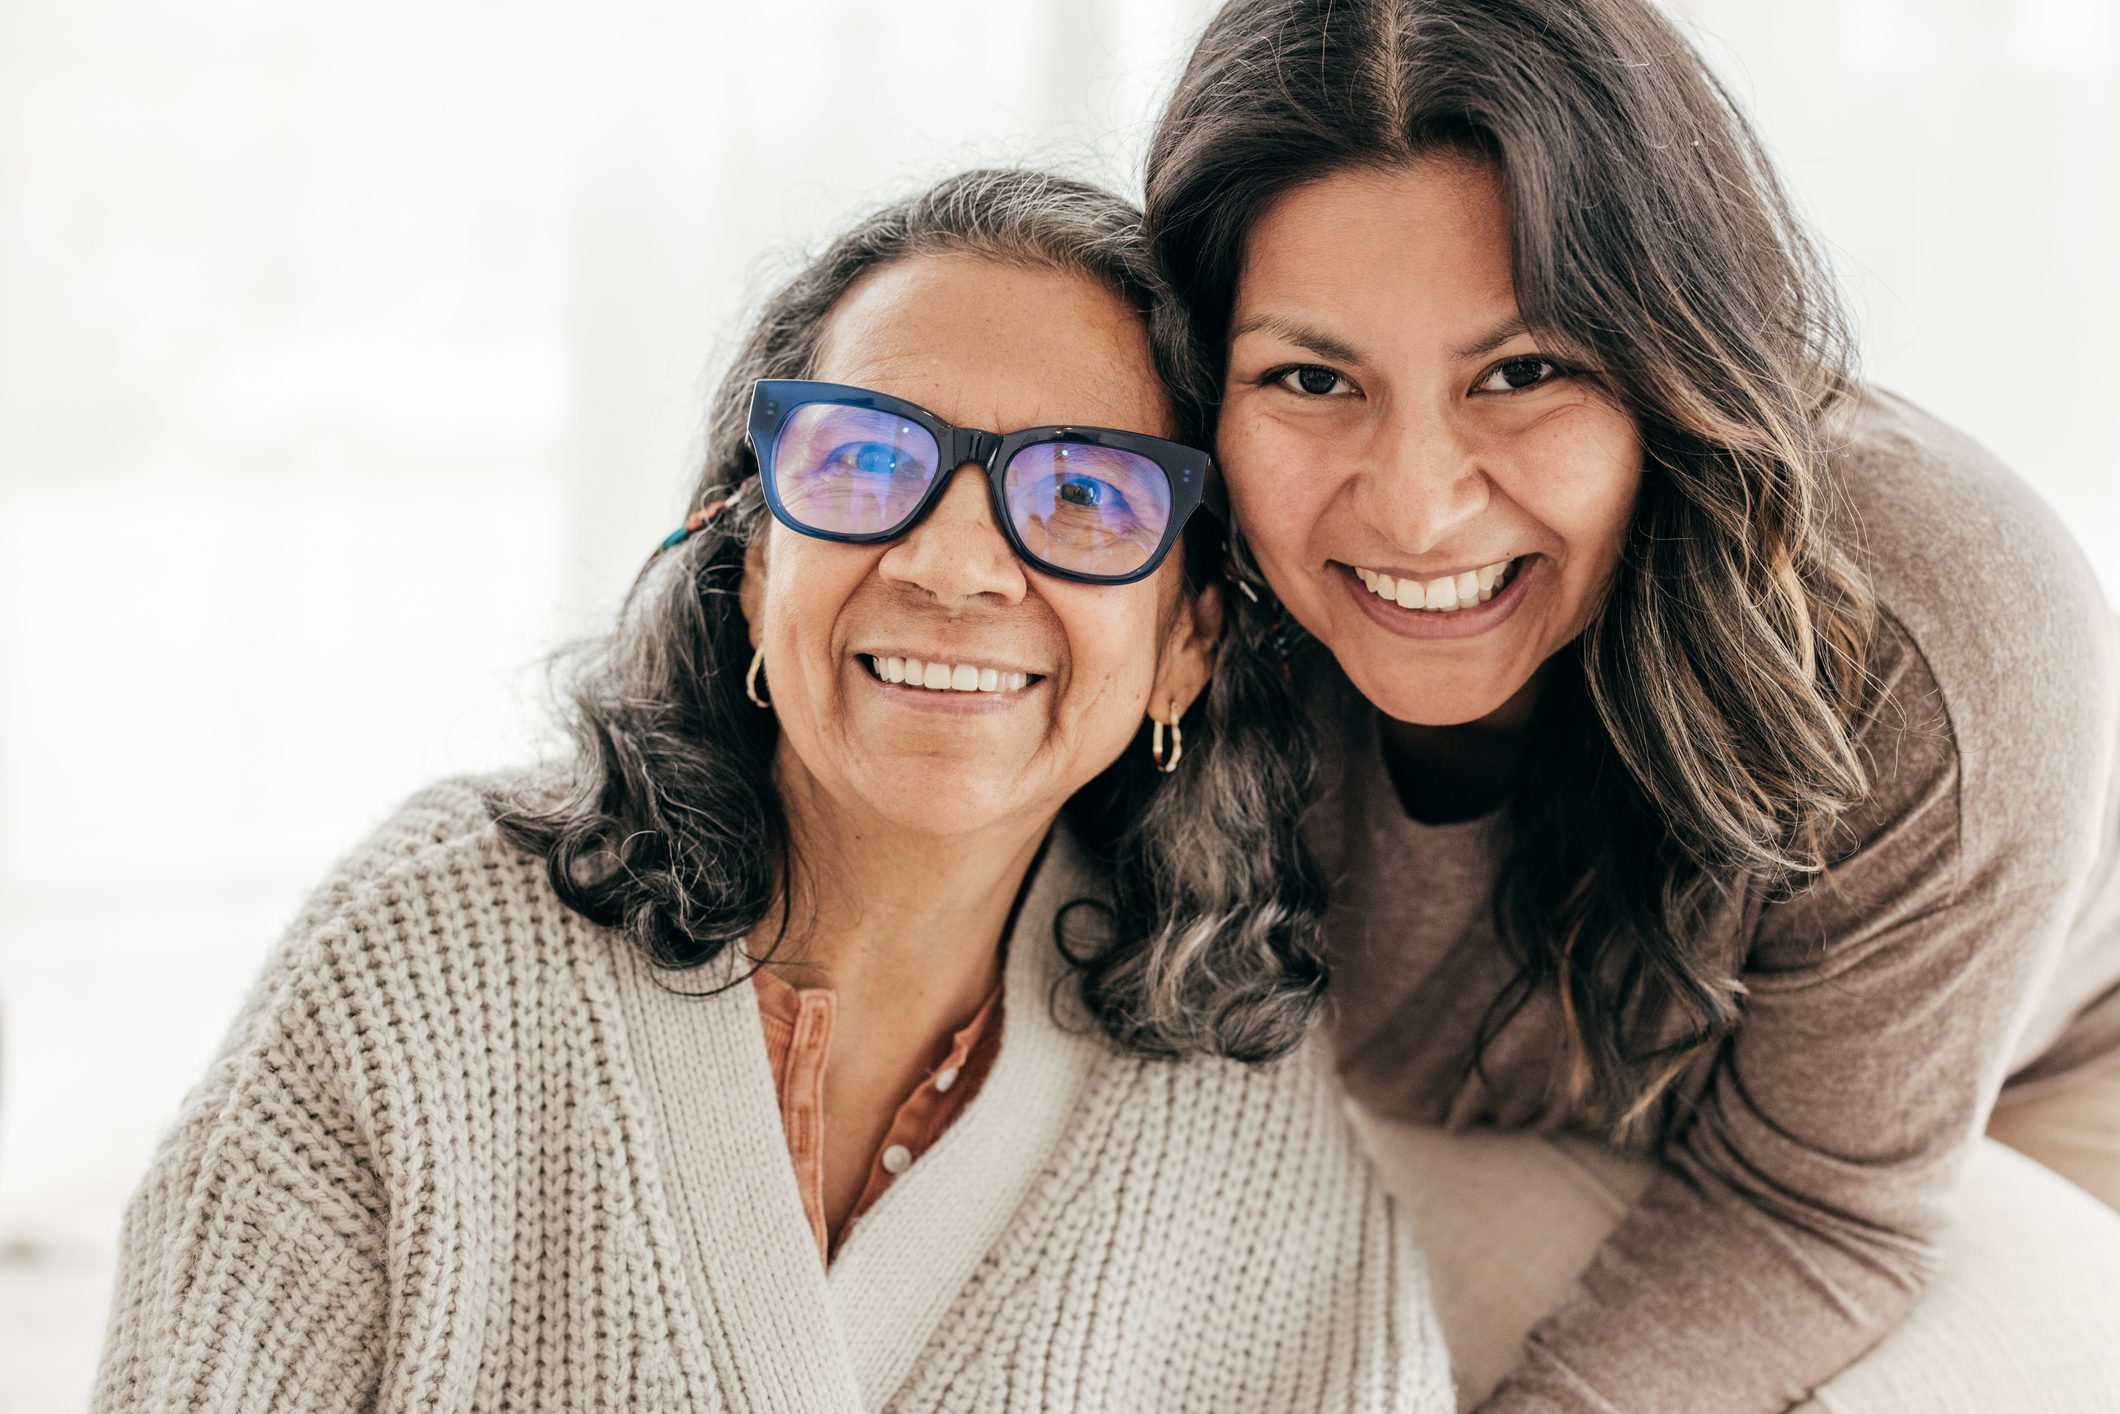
x: 465, y: 1150
x: 1968, y: 936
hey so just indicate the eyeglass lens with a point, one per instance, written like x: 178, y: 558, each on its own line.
x: 1095, y: 510
x: 849, y: 470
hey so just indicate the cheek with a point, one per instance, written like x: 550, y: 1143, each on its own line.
x: 1279, y: 482
x: 1113, y: 636
x: 808, y: 584
x: 1589, y: 476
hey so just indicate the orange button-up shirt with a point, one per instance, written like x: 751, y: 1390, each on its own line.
x: 798, y: 1031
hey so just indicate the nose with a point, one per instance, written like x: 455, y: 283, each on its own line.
x: 1424, y: 482
x: 957, y: 553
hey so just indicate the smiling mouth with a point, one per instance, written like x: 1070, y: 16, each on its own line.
x: 944, y: 677
x: 1444, y: 594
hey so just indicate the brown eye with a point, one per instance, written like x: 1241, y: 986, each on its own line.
x: 1310, y: 379
x: 1515, y: 374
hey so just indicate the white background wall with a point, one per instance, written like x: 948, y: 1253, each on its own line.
x: 351, y: 356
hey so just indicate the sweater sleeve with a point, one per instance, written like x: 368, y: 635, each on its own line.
x: 251, y: 1272
x: 1798, y: 1212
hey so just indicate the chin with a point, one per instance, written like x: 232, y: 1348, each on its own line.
x: 929, y: 799
x: 1426, y: 699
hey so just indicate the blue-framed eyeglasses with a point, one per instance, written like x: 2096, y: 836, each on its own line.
x: 1093, y: 504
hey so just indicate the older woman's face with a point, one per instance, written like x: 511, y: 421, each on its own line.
x: 985, y: 345
x: 1427, y: 485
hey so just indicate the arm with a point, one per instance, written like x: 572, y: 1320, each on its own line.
x: 1797, y: 1215
x: 251, y: 1273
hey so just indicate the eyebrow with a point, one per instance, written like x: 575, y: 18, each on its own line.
x: 1317, y: 341
x: 1494, y: 338
x: 1324, y: 345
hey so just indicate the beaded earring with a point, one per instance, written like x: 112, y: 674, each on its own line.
x: 1283, y: 634
x: 694, y: 523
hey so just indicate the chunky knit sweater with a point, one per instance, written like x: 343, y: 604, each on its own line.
x: 464, y: 1149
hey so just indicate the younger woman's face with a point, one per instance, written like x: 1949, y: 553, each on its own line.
x: 1430, y: 488
x: 1051, y: 679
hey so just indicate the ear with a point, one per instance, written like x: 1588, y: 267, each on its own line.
x: 1188, y: 653
x: 751, y: 594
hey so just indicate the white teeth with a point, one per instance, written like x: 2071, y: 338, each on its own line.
x: 945, y: 677
x: 1446, y: 594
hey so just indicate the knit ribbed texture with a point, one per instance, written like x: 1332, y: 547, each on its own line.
x: 465, y: 1150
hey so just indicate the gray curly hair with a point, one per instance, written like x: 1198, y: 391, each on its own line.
x: 671, y: 829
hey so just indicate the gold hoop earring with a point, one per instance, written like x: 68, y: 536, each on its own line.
x: 750, y: 679
x: 1166, y: 764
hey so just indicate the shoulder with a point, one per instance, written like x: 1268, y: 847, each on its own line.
x: 418, y: 851
x: 433, y: 909
x: 1994, y: 658
x: 447, y: 818
x: 1979, y: 571
x: 1921, y: 489
x: 396, y: 964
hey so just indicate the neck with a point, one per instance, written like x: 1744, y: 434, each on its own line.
x: 905, y: 928
x: 1463, y: 770
x: 899, y: 924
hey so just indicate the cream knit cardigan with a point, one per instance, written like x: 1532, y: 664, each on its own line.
x: 462, y: 1151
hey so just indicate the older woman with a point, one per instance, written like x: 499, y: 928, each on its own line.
x: 793, y: 1052
x: 1720, y: 749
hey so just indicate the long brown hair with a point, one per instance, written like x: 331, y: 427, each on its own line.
x: 1704, y: 749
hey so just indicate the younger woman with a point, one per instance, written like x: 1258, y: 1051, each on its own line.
x: 1720, y: 748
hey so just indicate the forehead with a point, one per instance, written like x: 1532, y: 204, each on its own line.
x: 982, y: 343
x: 1415, y: 245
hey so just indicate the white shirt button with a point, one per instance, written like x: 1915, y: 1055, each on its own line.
x: 945, y: 1078
x: 897, y: 1159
